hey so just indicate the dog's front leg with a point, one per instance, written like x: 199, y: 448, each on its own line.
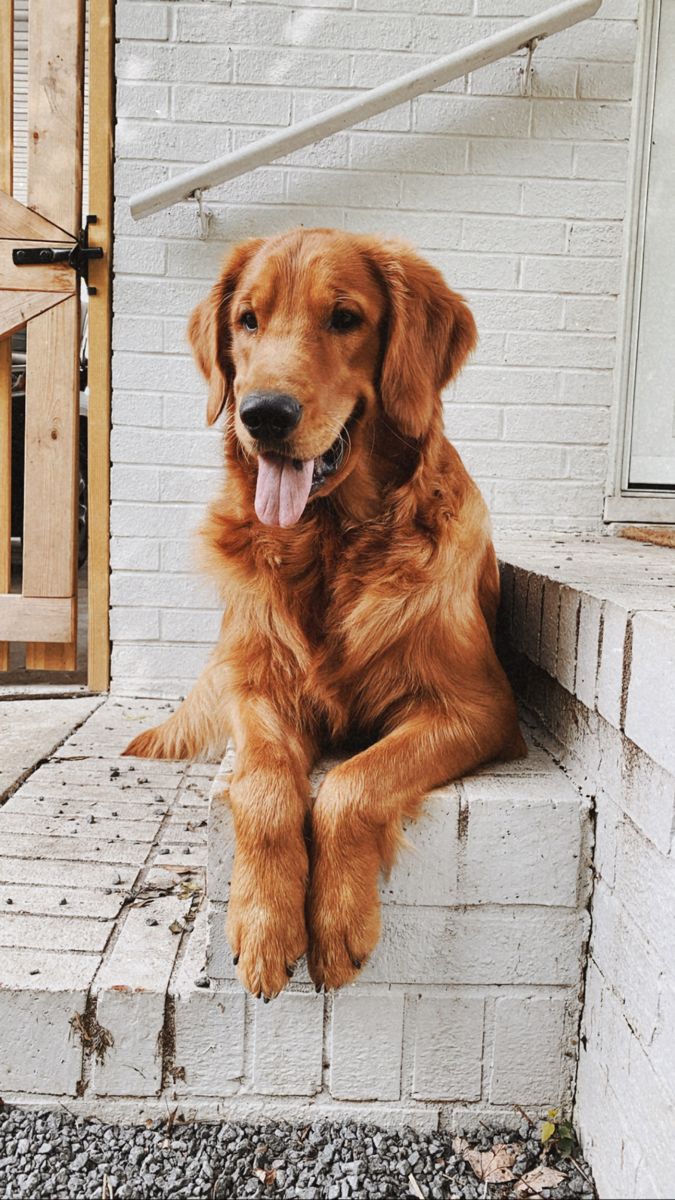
x: 269, y: 797
x: 356, y: 824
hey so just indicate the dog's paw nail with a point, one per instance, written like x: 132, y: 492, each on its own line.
x: 235, y: 960
x: 290, y: 971
x: 317, y: 987
x: 266, y: 999
x: 357, y: 963
x: 258, y: 995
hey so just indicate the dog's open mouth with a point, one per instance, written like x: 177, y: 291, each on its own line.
x: 285, y: 484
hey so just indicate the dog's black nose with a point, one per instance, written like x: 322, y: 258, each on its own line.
x: 270, y: 414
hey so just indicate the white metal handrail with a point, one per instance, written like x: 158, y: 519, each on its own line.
x: 360, y: 108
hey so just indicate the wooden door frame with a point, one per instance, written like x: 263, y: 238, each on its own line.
x: 621, y: 502
x: 6, y: 180
x: 100, y: 203
x: 101, y: 133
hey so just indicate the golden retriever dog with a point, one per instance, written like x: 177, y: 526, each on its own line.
x: 353, y: 554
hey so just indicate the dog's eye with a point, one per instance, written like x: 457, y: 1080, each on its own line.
x: 248, y: 320
x: 343, y: 320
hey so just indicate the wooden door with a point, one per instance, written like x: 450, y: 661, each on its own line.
x: 44, y: 298
x: 652, y: 436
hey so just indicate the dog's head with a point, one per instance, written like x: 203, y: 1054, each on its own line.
x: 312, y: 336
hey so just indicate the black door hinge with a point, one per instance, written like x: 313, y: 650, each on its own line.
x: 77, y: 256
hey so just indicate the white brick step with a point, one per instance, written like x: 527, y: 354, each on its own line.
x: 468, y: 1007
x: 598, y: 617
x: 470, y: 1002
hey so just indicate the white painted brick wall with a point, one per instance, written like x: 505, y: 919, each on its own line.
x: 457, y: 1024
x: 366, y: 1045
x: 607, y: 653
x: 288, y: 1046
x: 518, y: 200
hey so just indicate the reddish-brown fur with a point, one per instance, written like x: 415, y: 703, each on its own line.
x: 372, y: 616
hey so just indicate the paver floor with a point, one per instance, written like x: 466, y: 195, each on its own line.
x: 30, y: 730
x: 101, y: 876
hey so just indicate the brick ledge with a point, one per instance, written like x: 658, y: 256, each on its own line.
x: 597, y: 614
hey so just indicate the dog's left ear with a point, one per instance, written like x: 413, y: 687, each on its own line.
x: 429, y: 332
x: 209, y: 329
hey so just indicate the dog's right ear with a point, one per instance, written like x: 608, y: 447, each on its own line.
x: 209, y: 329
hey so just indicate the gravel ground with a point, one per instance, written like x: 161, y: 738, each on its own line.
x: 52, y: 1154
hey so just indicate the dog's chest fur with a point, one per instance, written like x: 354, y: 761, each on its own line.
x: 349, y: 602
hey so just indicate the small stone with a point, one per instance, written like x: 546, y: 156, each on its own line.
x: 63, y: 901
x: 151, y: 921
x: 203, y: 981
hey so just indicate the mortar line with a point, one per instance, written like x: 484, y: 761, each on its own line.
x: 135, y: 887
x: 184, y: 938
x: 593, y: 814
x: 586, y: 956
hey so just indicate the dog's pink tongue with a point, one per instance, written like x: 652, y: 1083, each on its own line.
x: 282, y: 489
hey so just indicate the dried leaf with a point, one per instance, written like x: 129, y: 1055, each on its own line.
x: 151, y: 892
x: 188, y: 887
x: 267, y: 1176
x: 415, y: 1189
x: 95, y: 1038
x: 492, y: 1166
x: 176, y: 927
x: 532, y: 1184
x: 459, y: 1145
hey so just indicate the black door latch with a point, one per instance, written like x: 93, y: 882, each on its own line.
x: 77, y: 256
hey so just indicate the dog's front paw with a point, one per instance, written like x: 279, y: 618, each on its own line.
x: 266, y: 924
x: 343, y: 931
x: 266, y: 944
x: 344, y: 905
